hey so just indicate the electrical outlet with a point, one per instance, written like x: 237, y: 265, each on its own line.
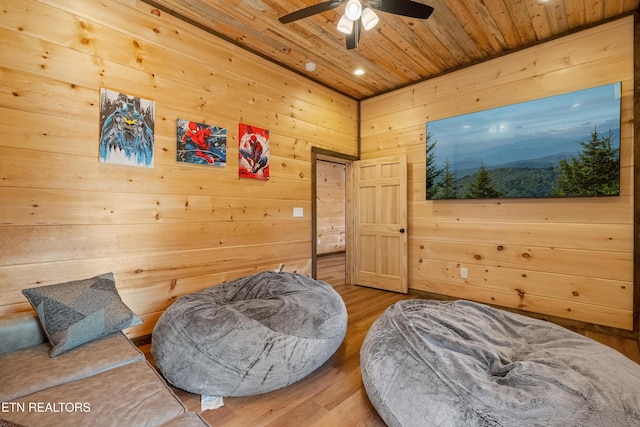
x: 464, y: 273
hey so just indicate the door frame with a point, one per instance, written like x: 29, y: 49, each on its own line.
x: 335, y: 157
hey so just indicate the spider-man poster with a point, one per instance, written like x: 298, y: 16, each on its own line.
x: 201, y: 144
x: 253, y: 152
x: 126, y: 129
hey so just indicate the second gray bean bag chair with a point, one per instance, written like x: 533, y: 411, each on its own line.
x: 437, y: 363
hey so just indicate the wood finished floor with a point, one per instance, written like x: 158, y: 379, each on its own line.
x: 333, y: 395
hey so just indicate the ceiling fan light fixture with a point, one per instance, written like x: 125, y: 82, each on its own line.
x: 369, y: 18
x: 353, y: 10
x: 355, y: 19
x: 345, y: 25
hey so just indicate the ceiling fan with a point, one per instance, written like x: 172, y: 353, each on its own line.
x: 355, y: 17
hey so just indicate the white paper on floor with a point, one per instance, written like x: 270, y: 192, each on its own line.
x: 210, y: 402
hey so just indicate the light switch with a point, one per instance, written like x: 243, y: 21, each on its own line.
x: 298, y: 212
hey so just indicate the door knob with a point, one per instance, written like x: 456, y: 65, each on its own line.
x: 402, y: 230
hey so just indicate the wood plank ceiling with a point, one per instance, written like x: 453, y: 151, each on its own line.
x: 398, y: 51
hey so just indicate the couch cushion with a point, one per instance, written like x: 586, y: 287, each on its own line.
x: 74, y: 313
x: 31, y: 370
x: 130, y: 395
x: 190, y: 419
x: 20, y: 330
x: 6, y: 423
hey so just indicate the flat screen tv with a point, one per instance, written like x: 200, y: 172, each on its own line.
x: 562, y: 146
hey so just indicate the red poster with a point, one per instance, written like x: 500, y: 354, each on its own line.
x: 253, y: 152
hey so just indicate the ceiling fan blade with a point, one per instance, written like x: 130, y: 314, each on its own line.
x: 309, y: 11
x: 354, y: 38
x: 407, y: 8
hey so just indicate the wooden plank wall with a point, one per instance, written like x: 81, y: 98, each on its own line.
x: 331, y: 207
x: 164, y: 231
x: 568, y: 258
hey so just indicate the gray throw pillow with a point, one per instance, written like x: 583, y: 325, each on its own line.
x: 74, y: 313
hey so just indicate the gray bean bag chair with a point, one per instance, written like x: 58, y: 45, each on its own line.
x: 437, y: 363
x: 249, y: 336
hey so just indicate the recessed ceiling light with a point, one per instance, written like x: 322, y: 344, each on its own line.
x: 358, y: 72
x: 310, y: 66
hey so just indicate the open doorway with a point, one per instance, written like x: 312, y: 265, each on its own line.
x: 329, y: 223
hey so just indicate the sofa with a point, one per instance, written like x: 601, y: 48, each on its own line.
x: 105, y: 382
x: 70, y: 364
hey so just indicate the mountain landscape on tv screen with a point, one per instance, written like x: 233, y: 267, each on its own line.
x: 560, y: 146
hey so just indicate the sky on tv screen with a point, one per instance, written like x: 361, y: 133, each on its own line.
x: 547, y: 127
